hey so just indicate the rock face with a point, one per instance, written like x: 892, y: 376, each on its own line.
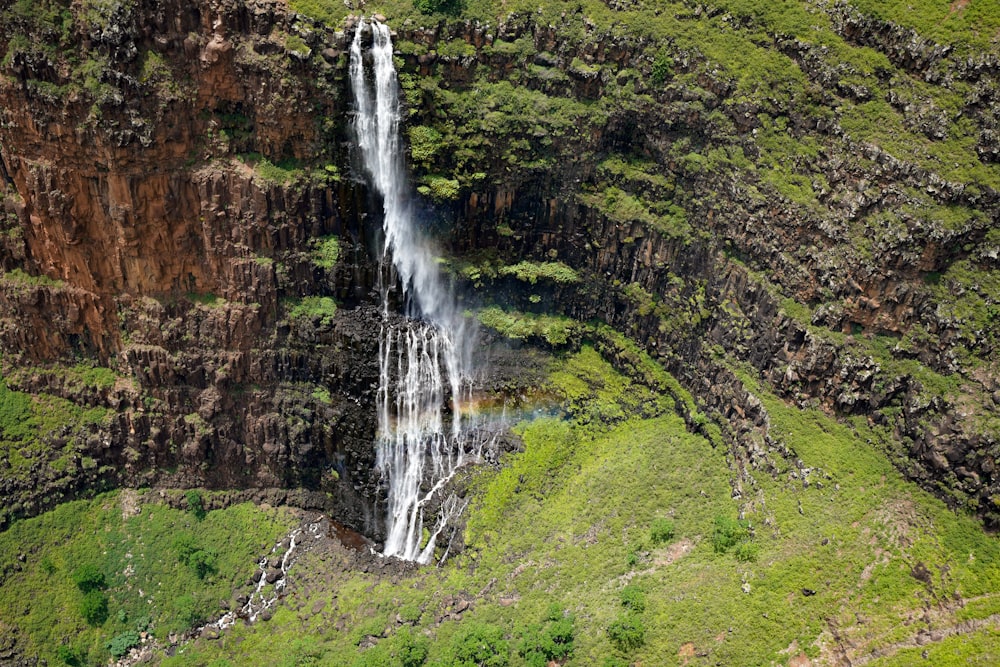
x: 170, y: 172
x: 168, y: 257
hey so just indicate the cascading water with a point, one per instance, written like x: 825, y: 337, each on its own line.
x: 424, y: 363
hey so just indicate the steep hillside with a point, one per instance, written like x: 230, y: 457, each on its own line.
x: 744, y: 258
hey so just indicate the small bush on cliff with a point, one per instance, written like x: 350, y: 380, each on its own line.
x: 438, y: 6
x: 425, y: 143
x: 195, y: 504
x: 326, y: 252
x: 530, y: 272
x: 439, y: 188
x: 313, y: 308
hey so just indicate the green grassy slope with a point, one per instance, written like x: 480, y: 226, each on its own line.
x: 856, y: 560
x: 134, y: 545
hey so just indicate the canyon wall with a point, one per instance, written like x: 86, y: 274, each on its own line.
x: 173, y: 174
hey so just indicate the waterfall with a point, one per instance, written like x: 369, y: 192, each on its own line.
x: 423, y: 363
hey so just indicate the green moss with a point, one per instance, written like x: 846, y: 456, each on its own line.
x: 20, y: 278
x: 553, y: 329
x: 297, y: 46
x: 319, y: 309
x: 439, y: 188
x: 326, y: 252
x: 531, y: 272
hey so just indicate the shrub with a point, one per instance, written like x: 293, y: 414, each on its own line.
x: 439, y: 188
x: 663, y: 65
x: 70, y: 655
x: 552, y: 640
x: 326, y: 252
x: 425, y: 143
x: 123, y: 643
x: 661, y: 531
x: 195, y: 504
x: 627, y: 633
x: 438, y: 6
x: 94, y: 607
x: 480, y: 645
x: 201, y: 561
x: 729, y: 532
x: 88, y: 577
x: 411, y: 650
x: 746, y: 552
x: 312, y: 308
x: 186, y: 609
x: 633, y: 598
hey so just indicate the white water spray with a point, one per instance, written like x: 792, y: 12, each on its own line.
x: 423, y: 364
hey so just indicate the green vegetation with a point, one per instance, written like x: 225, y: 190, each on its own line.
x: 425, y: 144
x: 553, y: 329
x: 297, y: 46
x: 314, y: 309
x: 439, y: 188
x: 633, y: 598
x: 328, y: 11
x: 204, y: 299
x: 552, y: 640
x: 740, y: 111
x: 195, y: 504
x: 438, y: 6
x: 627, y: 633
x: 42, y: 432
x: 569, y: 531
x: 18, y: 277
x: 531, y: 272
x: 661, y: 531
x: 326, y: 252
x: 109, y: 573
x: 729, y: 532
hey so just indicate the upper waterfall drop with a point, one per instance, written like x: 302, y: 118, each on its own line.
x: 423, y: 364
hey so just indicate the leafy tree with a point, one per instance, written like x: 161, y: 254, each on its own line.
x: 195, y: 504
x: 480, y: 645
x: 94, y: 607
x: 411, y: 650
x: 729, y: 532
x: 633, y: 598
x: 627, y: 633
x: 552, y: 640
x: 439, y: 6
x: 88, y: 577
x: 201, y: 561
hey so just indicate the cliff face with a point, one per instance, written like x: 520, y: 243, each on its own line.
x: 159, y: 223
x: 172, y: 173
